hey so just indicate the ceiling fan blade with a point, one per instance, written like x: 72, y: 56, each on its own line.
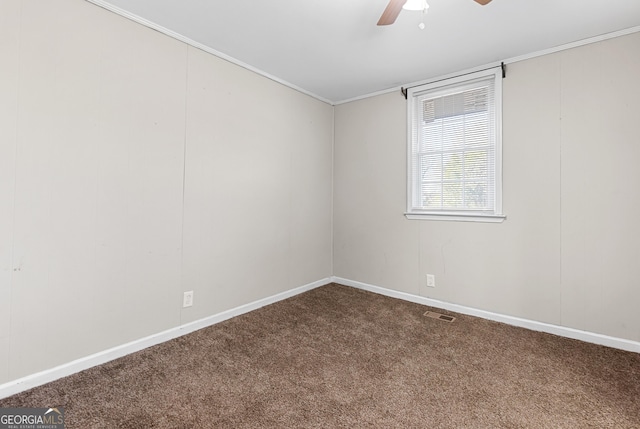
x: 483, y: 2
x: 391, y: 12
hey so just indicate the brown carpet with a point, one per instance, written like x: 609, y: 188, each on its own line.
x: 341, y: 357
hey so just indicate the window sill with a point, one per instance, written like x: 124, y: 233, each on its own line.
x: 457, y: 217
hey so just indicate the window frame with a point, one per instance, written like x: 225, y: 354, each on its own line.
x: 449, y: 86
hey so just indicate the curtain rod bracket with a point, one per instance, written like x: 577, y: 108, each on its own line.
x: 504, y: 70
x: 403, y: 90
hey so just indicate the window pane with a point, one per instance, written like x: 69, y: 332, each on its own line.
x: 453, y: 133
x: 477, y: 130
x: 476, y: 196
x: 452, y: 195
x: 453, y: 166
x: 476, y: 165
x: 431, y: 196
x: 431, y: 167
x: 431, y: 138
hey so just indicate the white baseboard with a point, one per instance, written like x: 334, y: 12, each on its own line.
x: 576, y: 334
x: 49, y: 375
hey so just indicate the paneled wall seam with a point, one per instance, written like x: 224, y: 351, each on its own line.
x: 184, y: 169
x: 560, y: 285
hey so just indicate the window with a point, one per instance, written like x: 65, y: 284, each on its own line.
x: 455, y: 150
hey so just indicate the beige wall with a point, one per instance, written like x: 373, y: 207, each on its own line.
x: 569, y: 250
x: 258, y: 187
x: 133, y: 168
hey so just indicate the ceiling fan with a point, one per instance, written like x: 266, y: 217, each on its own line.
x: 395, y: 6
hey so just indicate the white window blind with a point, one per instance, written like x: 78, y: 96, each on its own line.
x: 454, y: 148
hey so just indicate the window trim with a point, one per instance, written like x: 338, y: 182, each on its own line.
x: 466, y: 216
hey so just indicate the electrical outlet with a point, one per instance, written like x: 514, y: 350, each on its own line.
x: 187, y: 299
x: 431, y: 280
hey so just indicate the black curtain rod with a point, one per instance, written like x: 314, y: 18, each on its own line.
x: 404, y: 90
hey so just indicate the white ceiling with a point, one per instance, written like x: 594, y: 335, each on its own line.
x: 333, y: 49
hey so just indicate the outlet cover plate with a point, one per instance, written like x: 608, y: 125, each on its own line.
x: 431, y: 280
x: 187, y: 299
